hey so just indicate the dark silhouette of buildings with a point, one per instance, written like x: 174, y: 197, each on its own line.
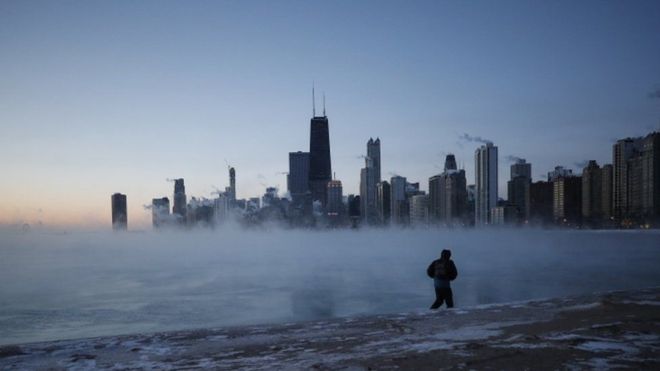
x: 592, y: 194
x: 232, y: 186
x: 607, y: 179
x: 540, y: 203
x: 399, y: 206
x: 179, y: 209
x: 160, y: 211
x: 320, y: 169
x: 335, y: 207
x: 369, y: 178
x: 518, y: 189
x: 567, y: 200
x: 448, y: 195
x: 383, y: 203
x: 298, y: 177
x: 636, y: 185
x: 119, y: 212
x: 485, y: 171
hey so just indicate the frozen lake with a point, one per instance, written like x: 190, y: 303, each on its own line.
x: 82, y: 284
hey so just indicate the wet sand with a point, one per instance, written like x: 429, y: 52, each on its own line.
x: 609, y: 330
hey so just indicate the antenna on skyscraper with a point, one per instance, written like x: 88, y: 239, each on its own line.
x: 313, y: 101
x: 323, y: 104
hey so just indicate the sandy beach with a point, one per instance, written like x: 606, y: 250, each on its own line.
x: 608, y: 330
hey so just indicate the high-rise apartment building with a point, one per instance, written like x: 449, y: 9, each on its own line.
x: 636, y: 183
x: 607, y: 182
x: 567, y: 200
x: 592, y: 196
x: 485, y: 159
x: 119, y: 212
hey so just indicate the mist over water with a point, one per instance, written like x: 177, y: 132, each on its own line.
x: 83, y: 284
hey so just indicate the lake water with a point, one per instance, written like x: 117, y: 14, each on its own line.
x: 84, y: 284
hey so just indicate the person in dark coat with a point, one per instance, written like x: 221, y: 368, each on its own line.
x: 443, y: 271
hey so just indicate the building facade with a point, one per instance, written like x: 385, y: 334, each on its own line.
x: 160, y: 212
x: 119, y: 212
x: 485, y: 182
x: 320, y: 169
x: 518, y: 189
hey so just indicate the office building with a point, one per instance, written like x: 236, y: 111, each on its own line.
x: 518, y: 189
x: 398, y: 202
x: 383, y: 202
x: 160, y: 212
x: 320, y: 169
x: 485, y: 182
x: 419, y: 210
x: 335, y: 206
x: 119, y: 212
x: 179, y: 209
x: 447, y: 197
x: 232, y: 186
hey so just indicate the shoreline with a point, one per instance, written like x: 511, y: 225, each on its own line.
x: 611, y: 329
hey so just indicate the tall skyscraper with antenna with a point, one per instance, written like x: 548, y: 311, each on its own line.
x: 320, y: 169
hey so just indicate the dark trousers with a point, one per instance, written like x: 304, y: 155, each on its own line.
x: 443, y: 294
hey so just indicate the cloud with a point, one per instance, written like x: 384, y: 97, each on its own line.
x: 581, y: 164
x: 512, y: 158
x: 465, y: 137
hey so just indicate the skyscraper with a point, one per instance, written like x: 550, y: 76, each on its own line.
x: 592, y: 197
x: 383, y: 203
x: 636, y: 184
x: 567, y: 200
x: 179, y: 209
x: 369, y: 178
x: 485, y: 158
x: 607, y: 182
x: 335, y: 206
x: 232, y: 185
x: 298, y: 178
x: 373, y: 152
x: 160, y: 211
x: 119, y: 212
x: 448, y: 195
x: 518, y: 188
x: 320, y: 169
x: 541, y: 203
x: 398, y: 203
x: 419, y: 210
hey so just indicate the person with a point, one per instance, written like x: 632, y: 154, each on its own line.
x: 443, y: 271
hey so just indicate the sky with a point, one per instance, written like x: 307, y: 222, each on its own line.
x: 98, y: 97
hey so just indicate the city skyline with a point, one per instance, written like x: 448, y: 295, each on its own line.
x: 87, y: 114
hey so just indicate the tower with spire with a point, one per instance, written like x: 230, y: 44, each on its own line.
x: 320, y: 168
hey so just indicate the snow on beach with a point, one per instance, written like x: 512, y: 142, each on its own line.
x: 616, y: 329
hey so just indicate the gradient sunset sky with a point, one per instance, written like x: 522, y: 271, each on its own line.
x: 98, y: 97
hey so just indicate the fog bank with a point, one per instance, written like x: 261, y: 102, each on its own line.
x: 78, y: 284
